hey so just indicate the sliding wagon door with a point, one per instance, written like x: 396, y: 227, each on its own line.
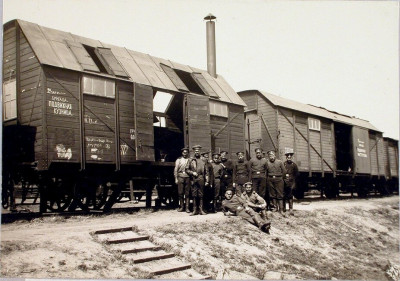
x: 99, y: 119
x: 198, y: 129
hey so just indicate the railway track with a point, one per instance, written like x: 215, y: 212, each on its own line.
x: 28, y: 209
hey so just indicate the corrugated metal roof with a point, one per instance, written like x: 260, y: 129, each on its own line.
x: 317, y: 111
x: 51, y: 48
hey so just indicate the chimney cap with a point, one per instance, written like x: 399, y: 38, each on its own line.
x: 210, y: 17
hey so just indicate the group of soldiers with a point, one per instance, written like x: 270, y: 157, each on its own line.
x: 243, y: 188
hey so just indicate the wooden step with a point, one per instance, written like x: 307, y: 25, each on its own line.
x: 138, y: 250
x: 114, y: 230
x: 153, y: 258
x: 171, y: 269
x: 127, y: 240
x: 187, y: 274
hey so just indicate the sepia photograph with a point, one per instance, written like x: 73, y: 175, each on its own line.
x: 200, y: 139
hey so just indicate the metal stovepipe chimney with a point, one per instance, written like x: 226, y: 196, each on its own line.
x: 211, y: 54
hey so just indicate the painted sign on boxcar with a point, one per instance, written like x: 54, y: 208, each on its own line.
x: 361, y: 151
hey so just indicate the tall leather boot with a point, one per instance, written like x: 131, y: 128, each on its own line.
x: 264, y: 215
x: 187, y: 205
x: 201, y: 211
x: 181, y: 208
x: 291, y: 207
x: 280, y: 204
x: 263, y: 225
x: 274, y: 202
x: 214, y: 206
x: 195, y: 210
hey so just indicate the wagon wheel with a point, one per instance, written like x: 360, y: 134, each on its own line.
x: 101, y: 195
x: 59, y: 195
x: 89, y: 195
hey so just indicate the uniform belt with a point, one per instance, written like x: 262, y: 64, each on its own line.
x: 274, y: 177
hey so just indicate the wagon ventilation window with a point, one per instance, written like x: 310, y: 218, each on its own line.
x: 162, y: 101
x: 189, y: 81
x: 218, y: 109
x: 98, y: 87
x: 9, y: 100
x: 97, y: 60
x: 314, y: 124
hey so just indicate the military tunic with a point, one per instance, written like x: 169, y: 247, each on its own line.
x: 258, y: 169
x: 182, y: 177
x: 226, y: 179
x: 275, y: 172
x: 241, y: 175
x: 199, y: 166
x: 292, y: 172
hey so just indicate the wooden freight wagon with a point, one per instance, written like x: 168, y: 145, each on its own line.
x: 332, y: 150
x: 84, y: 113
x: 391, y: 163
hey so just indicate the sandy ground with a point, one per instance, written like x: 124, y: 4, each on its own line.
x: 59, y: 247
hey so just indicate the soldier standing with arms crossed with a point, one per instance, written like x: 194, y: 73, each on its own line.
x: 197, y: 170
x: 292, y: 172
x: 275, y: 171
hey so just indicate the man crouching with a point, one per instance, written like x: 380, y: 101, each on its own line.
x: 236, y: 206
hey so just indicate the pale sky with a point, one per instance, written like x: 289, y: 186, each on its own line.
x: 341, y: 55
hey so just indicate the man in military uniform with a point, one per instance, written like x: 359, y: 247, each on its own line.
x: 236, y: 206
x: 241, y: 173
x: 208, y: 190
x: 258, y: 169
x: 292, y: 172
x: 275, y: 172
x: 255, y: 201
x: 216, y: 179
x: 226, y: 179
x: 182, y: 179
x: 197, y: 170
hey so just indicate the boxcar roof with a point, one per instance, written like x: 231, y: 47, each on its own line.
x: 53, y: 47
x: 317, y: 111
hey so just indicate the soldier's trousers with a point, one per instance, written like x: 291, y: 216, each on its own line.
x: 260, y: 186
x: 241, y: 180
x: 198, y: 188
x: 217, y: 188
x: 251, y: 216
x: 183, y: 186
x: 275, y: 186
x: 288, y: 192
x: 226, y: 183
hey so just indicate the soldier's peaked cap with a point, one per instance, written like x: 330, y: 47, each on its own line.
x: 239, y: 152
x: 258, y: 148
x: 185, y: 148
x: 197, y: 146
x: 289, y: 151
x: 248, y: 183
x: 224, y: 152
x: 216, y: 153
x: 271, y: 152
x: 205, y: 153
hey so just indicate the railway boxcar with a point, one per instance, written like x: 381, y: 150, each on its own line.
x: 84, y: 119
x: 333, y: 151
x: 391, y: 163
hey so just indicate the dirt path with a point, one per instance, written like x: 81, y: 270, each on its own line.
x: 64, y: 248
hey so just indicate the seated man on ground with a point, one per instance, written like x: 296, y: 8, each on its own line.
x: 236, y: 206
x: 255, y: 201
